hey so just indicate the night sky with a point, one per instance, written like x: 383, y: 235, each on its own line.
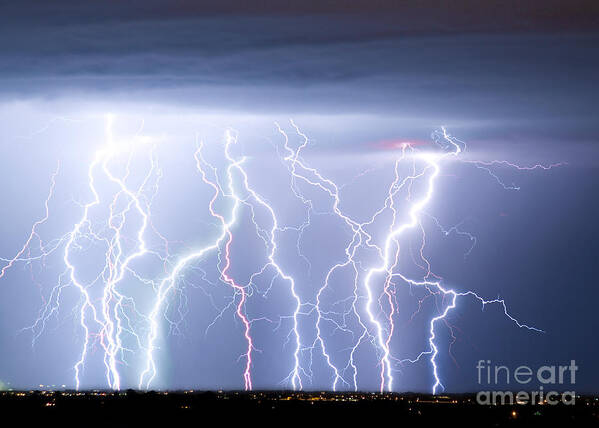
x: 513, y: 80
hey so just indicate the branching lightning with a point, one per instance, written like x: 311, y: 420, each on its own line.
x: 116, y: 320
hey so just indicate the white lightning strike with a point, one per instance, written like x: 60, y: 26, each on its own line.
x: 111, y: 319
x: 389, y: 258
x: 169, y: 283
x: 107, y: 313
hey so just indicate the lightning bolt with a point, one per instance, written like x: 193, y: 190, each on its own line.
x: 366, y: 313
x: 226, y: 236
x: 167, y: 284
x: 433, y: 162
x: 389, y: 253
x: 33, y: 234
x: 109, y: 318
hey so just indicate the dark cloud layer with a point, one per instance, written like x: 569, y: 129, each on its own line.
x: 450, y: 62
x: 420, y: 16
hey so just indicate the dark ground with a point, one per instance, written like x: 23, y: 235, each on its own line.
x: 116, y: 409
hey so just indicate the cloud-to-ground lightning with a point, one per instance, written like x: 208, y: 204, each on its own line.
x: 389, y: 259
x: 116, y: 221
